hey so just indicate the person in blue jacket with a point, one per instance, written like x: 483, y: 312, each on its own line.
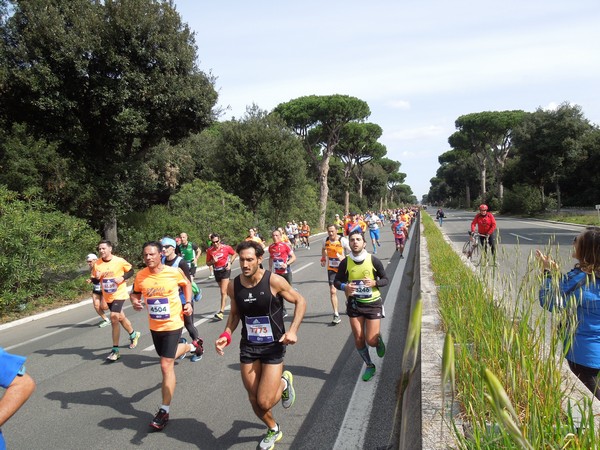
x: 18, y: 384
x: 578, y: 293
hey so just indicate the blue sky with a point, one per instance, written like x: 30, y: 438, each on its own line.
x: 418, y: 64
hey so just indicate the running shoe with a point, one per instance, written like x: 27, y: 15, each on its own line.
x: 198, y: 343
x: 369, y: 373
x: 210, y: 277
x: 401, y: 256
x: 269, y: 440
x: 104, y: 323
x: 113, y: 356
x: 219, y: 315
x: 160, y: 419
x: 336, y: 319
x: 182, y: 341
x: 380, y: 347
x: 134, y: 340
x: 288, y: 396
x: 285, y: 313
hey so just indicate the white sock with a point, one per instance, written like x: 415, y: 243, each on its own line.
x: 191, y: 348
x: 286, y: 383
x: 165, y: 407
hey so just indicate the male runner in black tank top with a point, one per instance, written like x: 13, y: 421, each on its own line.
x: 257, y: 301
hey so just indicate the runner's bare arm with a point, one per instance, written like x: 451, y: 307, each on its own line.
x: 281, y: 287
x: 232, y: 322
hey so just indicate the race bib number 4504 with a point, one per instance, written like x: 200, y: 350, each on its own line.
x: 158, y: 308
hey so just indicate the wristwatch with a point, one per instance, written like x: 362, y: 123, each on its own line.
x: 21, y: 371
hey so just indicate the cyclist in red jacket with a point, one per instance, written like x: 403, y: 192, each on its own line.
x: 486, y: 226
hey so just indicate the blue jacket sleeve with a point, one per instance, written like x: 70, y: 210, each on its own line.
x: 554, y: 293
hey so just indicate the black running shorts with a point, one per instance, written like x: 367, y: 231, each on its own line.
x: 116, y: 306
x: 266, y: 353
x: 370, y: 311
x: 222, y: 274
x: 331, y: 276
x: 166, y: 342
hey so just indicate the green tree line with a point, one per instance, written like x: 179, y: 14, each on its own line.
x: 521, y: 162
x: 108, y: 126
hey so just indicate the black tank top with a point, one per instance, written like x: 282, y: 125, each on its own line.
x: 260, y: 311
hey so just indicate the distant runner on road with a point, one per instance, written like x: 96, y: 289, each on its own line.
x: 99, y: 304
x: 220, y: 256
x: 360, y: 276
x: 332, y: 255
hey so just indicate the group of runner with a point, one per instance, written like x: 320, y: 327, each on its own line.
x: 164, y: 287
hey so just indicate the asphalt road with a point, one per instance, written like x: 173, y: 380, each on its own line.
x: 518, y: 240
x: 83, y: 402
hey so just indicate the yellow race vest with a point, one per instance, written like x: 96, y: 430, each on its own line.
x: 359, y: 272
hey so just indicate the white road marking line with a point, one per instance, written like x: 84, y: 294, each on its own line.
x: 565, y: 227
x: 518, y: 236
x: 44, y: 336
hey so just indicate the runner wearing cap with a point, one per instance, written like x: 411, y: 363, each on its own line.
x: 99, y: 304
x: 169, y: 258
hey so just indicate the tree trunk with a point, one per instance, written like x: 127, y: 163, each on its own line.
x: 558, y: 200
x: 468, y: 195
x: 483, y: 173
x: 323, y: 172
x: 500, y: 190
x: 347, y: 201
x: 360, y: 188
x: 110, y: 230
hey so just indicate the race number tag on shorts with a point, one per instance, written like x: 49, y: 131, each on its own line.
x: 361, y: 291
x: 259, y: 329
x: 158, y: 308
x: 109, y: 286
x: 334, y: 262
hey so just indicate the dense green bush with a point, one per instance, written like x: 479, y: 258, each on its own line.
x: 199, y: 208
x: 151, y: 225
x: 40, y: 250
x: 522, y: 199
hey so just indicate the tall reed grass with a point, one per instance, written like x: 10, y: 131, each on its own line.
x: 507, y: 357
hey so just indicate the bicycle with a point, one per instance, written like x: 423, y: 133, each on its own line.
x: 472, y: 248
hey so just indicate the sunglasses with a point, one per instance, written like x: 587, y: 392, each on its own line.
x: 215, y: 242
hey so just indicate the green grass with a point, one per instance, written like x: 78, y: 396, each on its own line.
x: 502, y: 361
x: 581, y: 219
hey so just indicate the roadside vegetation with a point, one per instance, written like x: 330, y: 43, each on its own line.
x: 507, y: 359
x: 520, y: 162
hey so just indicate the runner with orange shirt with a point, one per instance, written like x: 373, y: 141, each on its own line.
x: 305, y: 234
x: 111, y: 272
x: 332, y: 254
x: 159, y: 285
